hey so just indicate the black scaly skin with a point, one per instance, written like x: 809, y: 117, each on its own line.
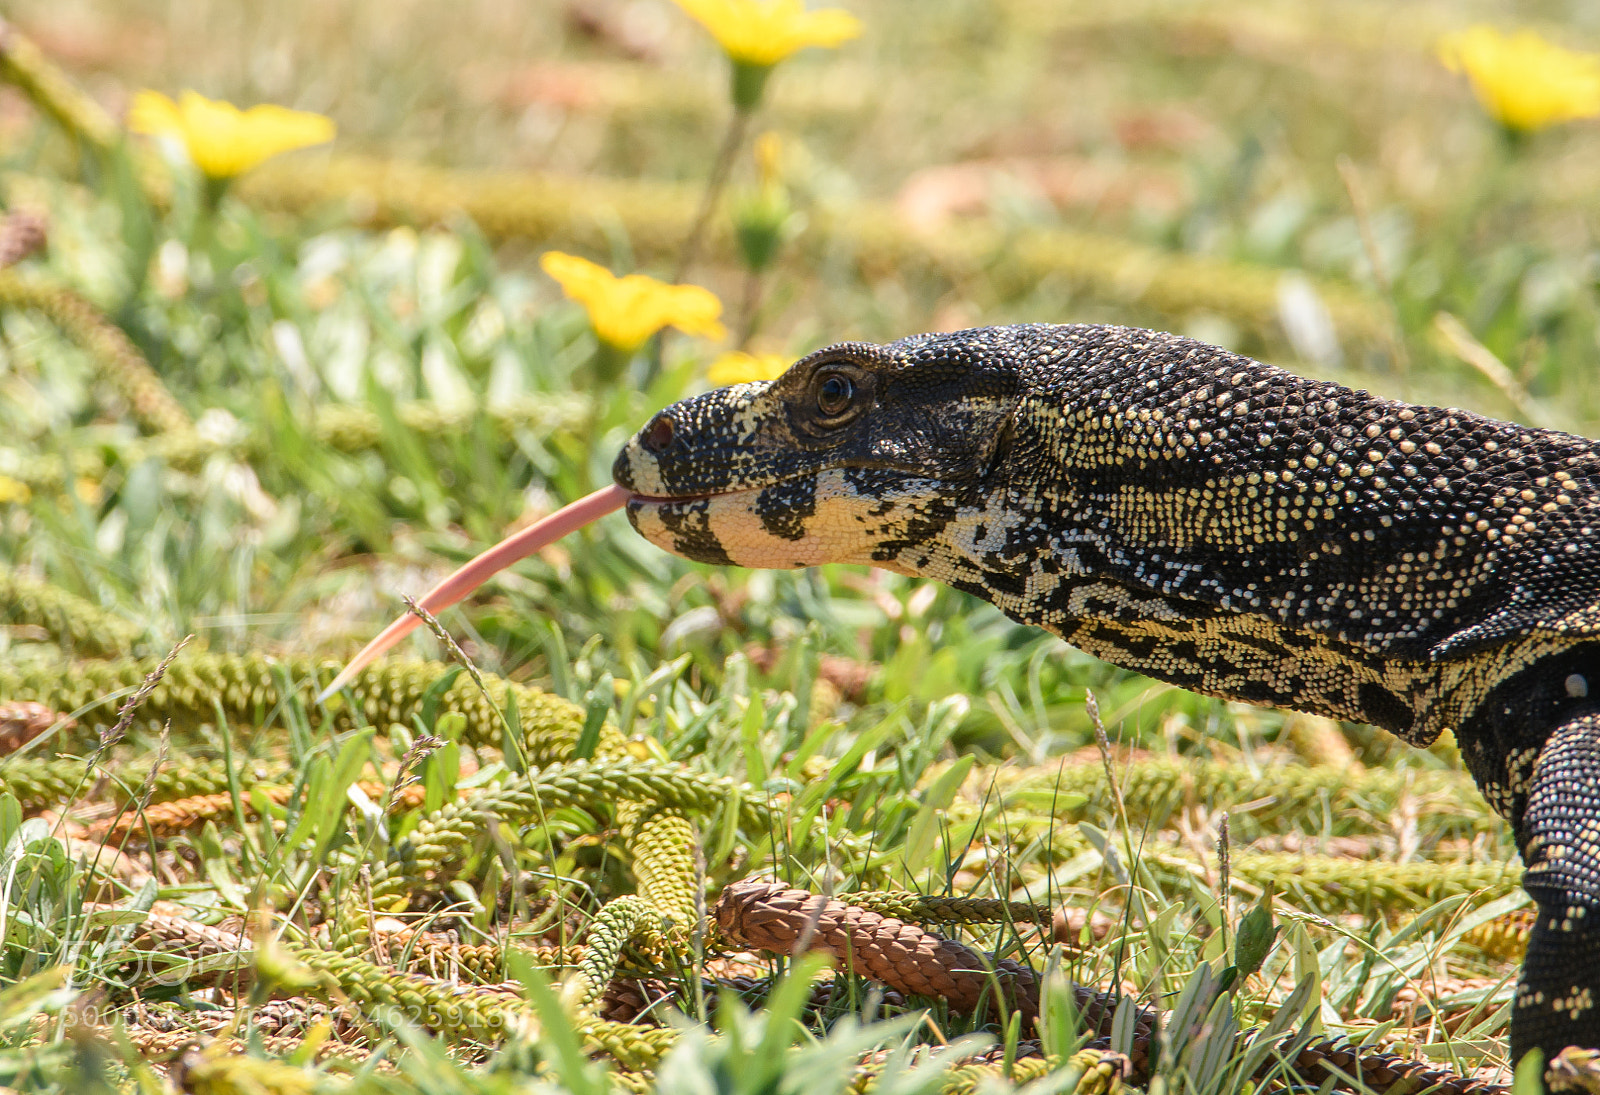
x: 1213, y: 522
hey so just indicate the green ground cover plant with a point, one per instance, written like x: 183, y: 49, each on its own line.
x: 243, y: 413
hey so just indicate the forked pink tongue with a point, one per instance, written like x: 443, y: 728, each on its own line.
x: 473, y: 574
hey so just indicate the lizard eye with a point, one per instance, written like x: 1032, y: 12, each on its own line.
x: 834, y: 394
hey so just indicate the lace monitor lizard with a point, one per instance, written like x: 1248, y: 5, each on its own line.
x: 1213, y: 522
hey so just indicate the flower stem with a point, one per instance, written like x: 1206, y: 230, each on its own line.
x: 720, y: 170
x: 749, y: 308
x: 608, y: 364
x: 203, y: 230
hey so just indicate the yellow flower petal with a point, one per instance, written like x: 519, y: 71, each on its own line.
x: 737, y: 367
x: 222, y: 140
x: 764, y: 32
x: 625, y: 311
x: 154, y: 113
x: 769, y: 153
x: 1523, y: 81
x: 13, y: 491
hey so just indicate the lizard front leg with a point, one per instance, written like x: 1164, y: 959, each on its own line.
x: 1558, y: 996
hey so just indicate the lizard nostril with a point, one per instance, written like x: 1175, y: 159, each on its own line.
x: 658, y: 435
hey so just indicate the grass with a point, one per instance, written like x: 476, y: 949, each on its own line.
x: 373, y: 401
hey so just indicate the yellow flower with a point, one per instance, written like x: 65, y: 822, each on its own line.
x: 626, y: 311
x: 13, y: 491
x: 738, y: 367
x: 763, y: 32
x: 222, y: 140
x: 1524, y: 82
x: 769, y: 158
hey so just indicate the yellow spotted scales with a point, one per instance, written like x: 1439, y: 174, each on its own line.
x: 1213, y: 522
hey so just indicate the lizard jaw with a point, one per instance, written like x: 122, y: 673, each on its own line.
x: 722, y: 529
x: 804, y: 521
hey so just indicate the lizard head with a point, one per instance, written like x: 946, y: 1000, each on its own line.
x: 858, y: 453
